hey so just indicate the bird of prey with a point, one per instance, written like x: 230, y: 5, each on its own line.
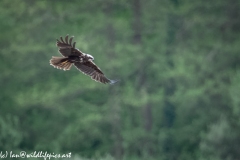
x: 83, y: 62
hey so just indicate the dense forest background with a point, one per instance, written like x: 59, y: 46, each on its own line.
x: 179, y: 66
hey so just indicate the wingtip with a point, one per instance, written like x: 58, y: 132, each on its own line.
x: 113, y: 81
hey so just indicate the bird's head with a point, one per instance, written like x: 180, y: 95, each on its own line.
x: 90, y: 57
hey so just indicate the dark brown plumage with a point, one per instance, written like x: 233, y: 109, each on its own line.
x: 83, y: 61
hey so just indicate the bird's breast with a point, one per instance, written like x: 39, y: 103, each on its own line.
x: 74, y: 59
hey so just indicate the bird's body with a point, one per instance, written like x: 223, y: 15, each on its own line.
x: 83, y: 61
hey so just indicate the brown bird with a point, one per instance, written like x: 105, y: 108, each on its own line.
x: 83, y: 61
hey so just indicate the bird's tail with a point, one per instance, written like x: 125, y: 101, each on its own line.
x: 61, y: 63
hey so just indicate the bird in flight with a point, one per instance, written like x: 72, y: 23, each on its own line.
x: 83, y: 62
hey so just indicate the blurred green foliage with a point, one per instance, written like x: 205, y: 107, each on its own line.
x: 178, y: 63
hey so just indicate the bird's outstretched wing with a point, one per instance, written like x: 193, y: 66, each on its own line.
x: 67, y: 48
x: 92, y: 70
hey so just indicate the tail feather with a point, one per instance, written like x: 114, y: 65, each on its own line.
x: 60, y: 63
